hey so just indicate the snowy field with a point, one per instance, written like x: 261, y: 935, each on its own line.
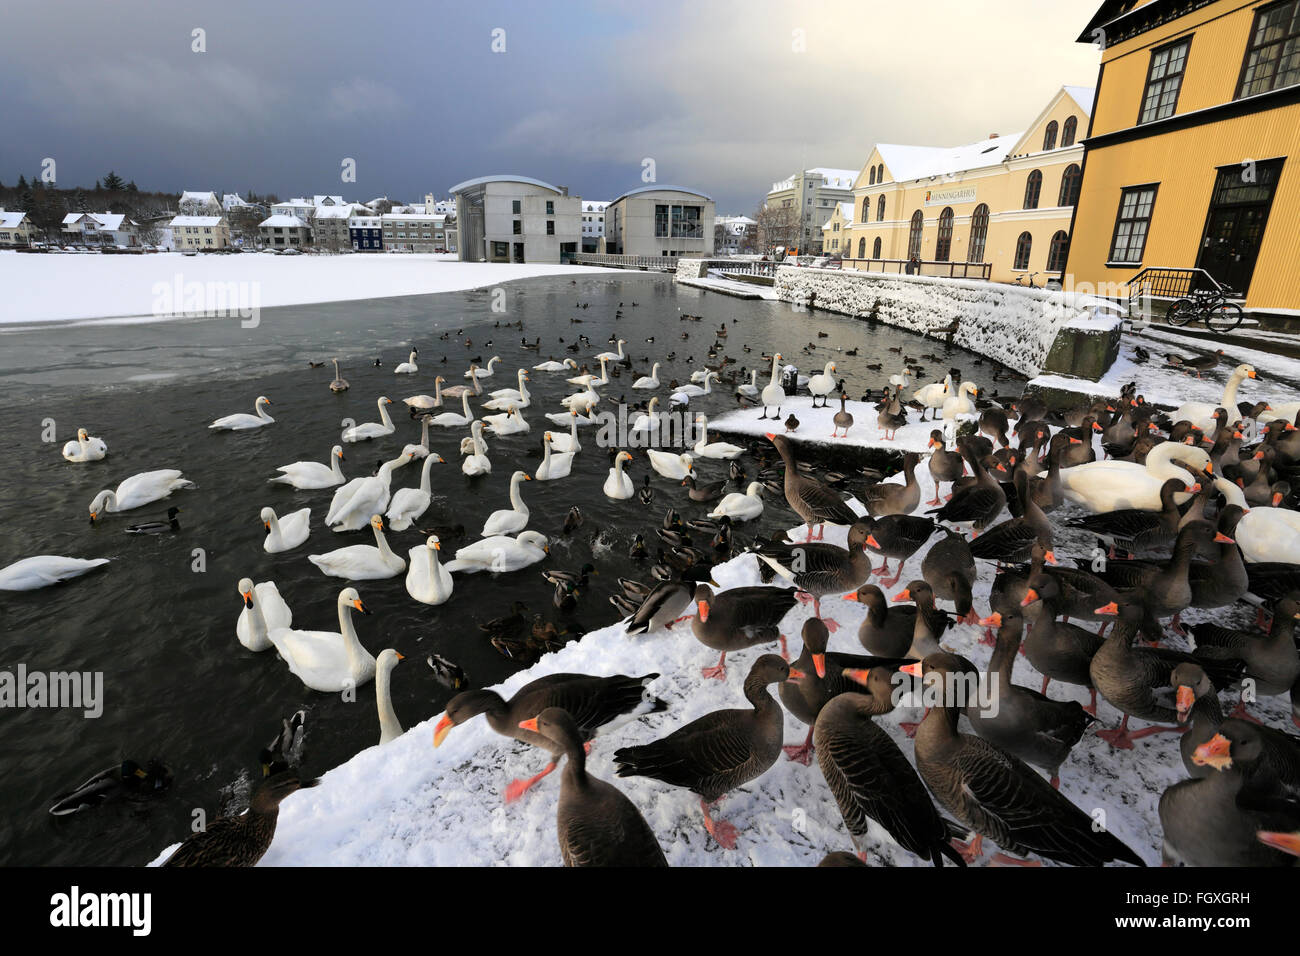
x: 408, y: 804
x: 44, y: 288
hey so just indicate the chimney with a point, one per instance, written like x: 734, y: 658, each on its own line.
x: 564, y: 190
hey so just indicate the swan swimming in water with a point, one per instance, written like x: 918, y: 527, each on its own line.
x: 309, y: 475
x: 362, y: 562
x: 355, y: 502
x: 476, y: 462
x: 287, y: 533
x: 328, y: 661
x: 43, y: 570
x: 426, y: 579
x: 409, y: 503
x: 408, y: 367
x: 501, y: 553
x: 368, y: 430
x: 85, y: 448
x: 138, y: 490
x: 242, y: 422
x: 264, y: 611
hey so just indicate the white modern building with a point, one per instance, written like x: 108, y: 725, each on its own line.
x: 812, y: 195
x: 660, y: 221
x: 516, y: 219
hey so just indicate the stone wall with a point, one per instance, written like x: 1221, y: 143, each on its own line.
x: 692, y: 269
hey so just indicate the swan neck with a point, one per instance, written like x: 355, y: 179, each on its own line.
x: 350, y: 640
x: 425, y: 487
x: 516, y: 499
x: 383, y: 415
x: 389, y: 726
x: 381, y: 542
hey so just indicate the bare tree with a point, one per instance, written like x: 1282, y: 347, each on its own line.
x: 776, y: 226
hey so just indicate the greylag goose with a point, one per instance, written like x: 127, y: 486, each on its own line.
x: 819, y: 569
x: 890, y: 497
x: 978, y: 503
x: 945, y: 465
x: 887, y: 629
x: 811, y: 500
x: 897, y: 536
x: 949, y: 568
x: 737, y: 619
x: 1057, y: 649
x: 1272, y: 662
x: 1198, y: 710
x: 1136, y: 529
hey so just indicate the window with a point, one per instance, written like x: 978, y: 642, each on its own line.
x: 979, y: 232
x: 914, y: 234
x: 866, y: 208
x: 1273, y: 57
x: 1132, y: 223
x: 1033, y: 186
x: 517, y: 227
x: 943, y: 244
x: 1164, y: 80
x: 686, y: 222
x: 862, y: 248
x: 1049, y: 137
x: 1069, y: 131
x: 875, y: 249
x: 1070, y: 180
x: 550, y: 207
x: 880, y: 173
x: 661, y: 221
x: 500, y: 250
x: 872, y: 177
x: 514, y: 207
x: 1056, y: 252
x: 1023, y: 246
x: 880, y: 209
x: 550, y: 227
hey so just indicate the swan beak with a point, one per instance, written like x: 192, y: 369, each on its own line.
x: 340, y: 456
x: 248, y: 598
x: 441, y: 731
x: 437, y: 546
x: 703, y: 609
x: 360, y: 606
x: 528, y: 477
x: 266, y: 525
x: 93, y: 516
x: 400, y: 655
x: 819, y: 664
x: 1252, y: 374
x: 911, y: 670
x: 1030, y: 597
x: 1108, y: 609
x: 1214, y: 753
x: 529, y: 724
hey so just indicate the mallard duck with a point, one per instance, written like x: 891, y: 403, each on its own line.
x: 244, y: 839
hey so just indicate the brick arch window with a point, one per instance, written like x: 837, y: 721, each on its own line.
x: 1049, y: 137
x: 943, y: 244
x: 1033, y: 186
x: 1056, y: 252
x: 1069, y: 131
x: 914, y: 234
x: 1070, y: 180
x: 880, y: 209
x: 862, y: 248
x: 1023, y: 247
x: 875, y: 249
x: 979, y: 233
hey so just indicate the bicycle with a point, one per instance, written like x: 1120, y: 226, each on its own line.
x: 1211, y: 306
x: 1029, y: 278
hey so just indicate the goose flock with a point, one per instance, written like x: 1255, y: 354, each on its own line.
x: 1095, y: 529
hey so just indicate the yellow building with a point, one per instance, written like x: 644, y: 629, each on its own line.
x: 1197, y: 113
x: 835, y: 233
x: 997, y: 209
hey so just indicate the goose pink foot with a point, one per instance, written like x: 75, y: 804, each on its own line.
x: 517, y: 788
x: 720, y: 830
x: 718, y: 671
x: 801, y: 753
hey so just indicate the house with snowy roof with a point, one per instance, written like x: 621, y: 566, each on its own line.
x: 283, y: 231
x: 734, y: 235
x: 100, y: 229
x: 199, y: 203
x: 999, y: 208
x: 814, y: 193
x: 203, y: 233
x: 16, y: 229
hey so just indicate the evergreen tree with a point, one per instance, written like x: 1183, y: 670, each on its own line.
x: 113, y: 181
x: 80, y: 201
x: 131, y: 187
x: 22, y: 183
x: 98, y: 187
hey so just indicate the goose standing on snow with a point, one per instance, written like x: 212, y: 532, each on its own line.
x: 408, y: 367
x: 476, y: 462
x: 242, y: 422
x: 619, y: 485
x: 409, y: 503
x: 820, y: 386
x: 512, y: 519
x: 340, y: 384
x: 85, y: 448
x: 362, y: 562
x: 328, y: 661
x: 43, y: 570
x: 264, y: 611
x: 287, y: 533
x: 773, y: 393
x: 426, y: 579
x: 648, y: 381
x: 369, y: 430
x: 138, y: 490
x: 309, y: 475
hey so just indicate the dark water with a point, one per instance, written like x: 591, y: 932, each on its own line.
x: 177, y: 684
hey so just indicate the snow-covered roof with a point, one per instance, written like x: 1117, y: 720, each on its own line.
x: 846, y: 211
x: 327, y: 200
x: 336, y: 212
x: 198, y: 196
x: 196, y: 221
x: 281, y: 220
x: 415, y: 217
x: 106, y: 220
x: 836, y: 178
x: 592, y: 205
x: 656, y: 188
x: 1085, y: 96
x: 917, y: 162
x: 480, y: 180
x: 11, y: 220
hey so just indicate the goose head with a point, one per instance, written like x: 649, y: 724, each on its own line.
x: 246, y: 591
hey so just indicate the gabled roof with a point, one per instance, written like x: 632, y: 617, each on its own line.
x: 105, y: 220
x: 906, y: 163
x: 11, y: 220
x: 198, y: 196
x: 1085, y: 96
x: 283, y: 221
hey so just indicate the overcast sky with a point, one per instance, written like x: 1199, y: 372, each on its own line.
x: 724, y: 97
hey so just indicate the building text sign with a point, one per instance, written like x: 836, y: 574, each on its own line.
x: 949, y: 197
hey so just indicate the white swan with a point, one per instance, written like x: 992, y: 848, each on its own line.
x: 773, y: 393
x: 264, y: 611
x: 613, y: 356
x: 409, y: 503
x: 618, y: 485
x: 390, y: 728
x: 287, y: 533
x: 355, y: 502
x: 501, y: 553
x: 718, y: 449
x: 453, y: 420
x: 901, y: 381
x: 242, y: 422
x: 339, y: 384
x: 504, y: 398
x: 649, y: 418
x: 687, y: 392
x: 408, y: 367
x: 141, y: 489
x: 420, y: 450
x: 567, y: 444
x: 507, y: 423
x: 601, y: 379
x: 473, y: 388
x: 750, y: 388
x: 476, y: 463
x: 427, y: 401
x: 648, y: 381
x: 582, y: 401
x: 476, y: 372
x: 369, y: 430
x: 572, y: 419
x: 675, y: 467
x: 85, y: 448
x: 554, y: 464
x: 328, y: 661
x: 426, y: 579
x: 935, y: 394
x: 1103, y: 486
x: 554, y: 366
x: 822, y: 385
x: 1269, y: 534
x: 362, y: 562
x: 740, y: 507
x: 43, y: 570
x: 960, y: 404
x: 512, y: 519
x: 1201, y: 414
x: 308, y: 475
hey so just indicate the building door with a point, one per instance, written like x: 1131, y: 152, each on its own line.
x: 1234, y: 225
x: 519, y: 252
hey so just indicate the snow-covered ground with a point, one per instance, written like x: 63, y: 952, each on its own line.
x: 410, y: 804
x: 717, y: 283
x: 43, y: 288
x: 815, y: 425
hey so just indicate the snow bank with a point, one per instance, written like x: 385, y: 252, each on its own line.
x: 815, y: 425
x: 50, y: 287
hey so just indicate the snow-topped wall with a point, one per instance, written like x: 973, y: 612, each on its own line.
x: 1015, y: 326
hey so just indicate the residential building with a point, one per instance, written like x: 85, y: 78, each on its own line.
x: 516, y: 219
x: 443, y: 207
x: 814, y: 193
x: 593, y: 224
x: 366, y: 233
x: 1190, y: 155
x: 734, y: 235
x: 199, y: 203
x: 100, y: 229
x: 331, y: 226
x: 414, y: 232
x: 660, y: 221
x: 1003, y: 205
x: 300, y: 208
x: 15, y: 229
x: 200, y: 232
x: 835, y: 233
x: 281, y: 231
x: 230, y: 202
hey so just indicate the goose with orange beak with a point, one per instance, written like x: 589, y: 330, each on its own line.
x: 600, y: 702
x: 737, y: 619
x: 720, y: 751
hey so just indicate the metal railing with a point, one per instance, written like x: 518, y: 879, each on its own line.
x: 654, y: 263
x: 926, y: 267
x: 1167, y: 282
x: 751, y: 267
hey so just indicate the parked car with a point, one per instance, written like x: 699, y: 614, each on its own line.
x: 292, y: 251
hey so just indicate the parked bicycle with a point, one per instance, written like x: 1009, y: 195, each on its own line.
x: 1211, y: 306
